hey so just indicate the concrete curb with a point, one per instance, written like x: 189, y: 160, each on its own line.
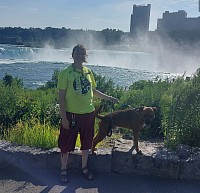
x: 26, y: 157
x: 156, y: 161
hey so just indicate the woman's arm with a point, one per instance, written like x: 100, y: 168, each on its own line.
x: 101, y: 95
x: 65, y: 122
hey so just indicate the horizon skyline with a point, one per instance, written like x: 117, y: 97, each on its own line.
x: 73, y: 14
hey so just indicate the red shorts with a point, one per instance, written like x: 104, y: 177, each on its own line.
x: 84, y: 125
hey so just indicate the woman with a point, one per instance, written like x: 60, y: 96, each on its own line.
x: 76, y: 86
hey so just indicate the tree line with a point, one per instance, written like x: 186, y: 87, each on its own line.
x: 62, y: 37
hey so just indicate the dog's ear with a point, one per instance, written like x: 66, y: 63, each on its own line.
x: 154, y: 108
x: 141, y: 109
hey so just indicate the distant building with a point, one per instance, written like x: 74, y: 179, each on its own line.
x: 176, y: 21
x: 199, y: 5
x: 140, y: 19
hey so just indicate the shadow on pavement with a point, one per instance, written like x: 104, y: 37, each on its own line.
x: 15, y: 180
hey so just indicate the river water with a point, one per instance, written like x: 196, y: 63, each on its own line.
x: 36, y: 65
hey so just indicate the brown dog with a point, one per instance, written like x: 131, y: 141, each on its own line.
x: 135, y: 119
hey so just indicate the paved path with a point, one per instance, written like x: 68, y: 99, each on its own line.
x: 15, y: 180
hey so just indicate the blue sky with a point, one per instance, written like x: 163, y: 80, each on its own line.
x: 85, y: 14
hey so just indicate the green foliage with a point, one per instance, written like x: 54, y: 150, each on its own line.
x: 11, y: 103
x: 183, y: 120
x: 108, y: 87
x: 148, y: 93
x: 23, y: 104
x: 177, y: 116
x: 8, y: 80
x: 34, y: 134
x: 196, y: 78
x: 51, y: 83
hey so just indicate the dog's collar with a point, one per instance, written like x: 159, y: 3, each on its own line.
x: 139, y: 111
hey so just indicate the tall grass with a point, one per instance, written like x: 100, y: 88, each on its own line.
x: 34, y: 134
x: 42, y: 135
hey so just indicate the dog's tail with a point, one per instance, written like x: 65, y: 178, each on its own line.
x: 97, y: 111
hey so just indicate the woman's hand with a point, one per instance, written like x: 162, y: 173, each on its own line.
x: 113, y: 100
x: 65, y: 124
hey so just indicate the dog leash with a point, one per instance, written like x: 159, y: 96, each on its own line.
x: 124, y: 105
x: 109, y: 133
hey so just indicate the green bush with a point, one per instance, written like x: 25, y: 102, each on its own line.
x: 148, y: 93
x: 34, y: 134
x: 51, y: 83
x: 183, y: 120
x: 177, y: 102
x: 8, y: 80
x: 18, y: 103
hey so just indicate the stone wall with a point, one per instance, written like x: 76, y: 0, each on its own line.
x: 183, y: 163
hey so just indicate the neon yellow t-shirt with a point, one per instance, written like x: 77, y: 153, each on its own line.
x: 79, y: 87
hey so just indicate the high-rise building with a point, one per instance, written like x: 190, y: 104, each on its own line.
x: 140, y: 19
x: 177, y: 21
x: 199, y: 5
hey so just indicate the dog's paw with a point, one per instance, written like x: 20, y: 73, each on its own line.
x: 139, y: 152
x: 94, y: 151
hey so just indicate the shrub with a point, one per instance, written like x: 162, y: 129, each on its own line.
x: 8, y: 80
x: 34, y: 134
x: 183, y: 121
x: 177, y: 117
x: 51, y: 83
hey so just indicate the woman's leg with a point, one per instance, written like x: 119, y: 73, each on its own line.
x: 63, y: 171
x: 64, y: 160
x: 85, y: 154
x: 86, y: 136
